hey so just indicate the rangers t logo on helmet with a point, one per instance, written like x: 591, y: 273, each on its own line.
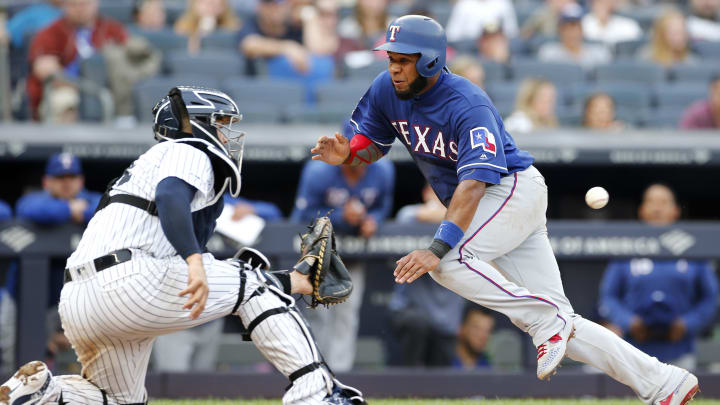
x: 394, y: 29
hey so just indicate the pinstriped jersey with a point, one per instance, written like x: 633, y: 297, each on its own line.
x: 120, y: 226
x: 452, y: 131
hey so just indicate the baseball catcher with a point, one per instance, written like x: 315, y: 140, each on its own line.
x: 142, y: 270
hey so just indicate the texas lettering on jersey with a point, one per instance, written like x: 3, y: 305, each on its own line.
x: 423, y: 139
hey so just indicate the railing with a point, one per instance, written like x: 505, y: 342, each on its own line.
x: 34, y: 247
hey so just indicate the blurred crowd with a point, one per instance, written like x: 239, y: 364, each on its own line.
x: 599, y: 64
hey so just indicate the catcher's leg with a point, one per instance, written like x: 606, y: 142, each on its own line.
x: 279, y: 331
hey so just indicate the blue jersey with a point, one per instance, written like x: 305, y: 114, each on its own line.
x: 659, y: 291
x: 43, y: 208
x: 323, y: 188
x: 452, y: 131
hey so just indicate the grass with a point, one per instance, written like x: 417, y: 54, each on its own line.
x: 436, y: 402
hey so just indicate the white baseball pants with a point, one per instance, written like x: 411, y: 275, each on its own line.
x: 112, y: 318
x: 505, y: 262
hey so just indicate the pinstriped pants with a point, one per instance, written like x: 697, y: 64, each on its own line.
x: 112, y: 318
x: 505, y: 262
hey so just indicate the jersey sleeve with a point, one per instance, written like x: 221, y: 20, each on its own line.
x: 481, y: 155
x: 367, y: 119
x: 190, y: 165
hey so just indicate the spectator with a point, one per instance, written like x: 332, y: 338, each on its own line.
x: 669, y: 42
x: 202, y: 18
x: 127, y: 65
x: 5, y: 211
x: 473, y: 338
x: 425, y: 316
x: 603, y: 25
x: 367, y: 25
x: 544, y: 19
x: 32, y: 19
x: 599, y: 113
x: 470, y: 69
x: 286, y: 47
x: 64, y: 198
x: 660, y: 306
x: 149, y: 15
x: 493, y: 44
x: 534, y: 107
x: 360, y: 199
x: 572, y: 48
x: 704, y: 113
x: 468, y: 17
x: 60, y: 105
x: 320, y: 28
x: 704, y: 20
x: 59, y: 49
x: 431, y: 210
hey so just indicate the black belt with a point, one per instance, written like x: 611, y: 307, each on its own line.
x: 107, y: 261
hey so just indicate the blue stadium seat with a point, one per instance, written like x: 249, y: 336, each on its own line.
x: 566, y: 74
x: 629, y: 49
x: 263, y: 95
x: 494, y: 72
x: 120, y: 10
x: 679, y: 95
x: 664, y: 118
x: 150, y: 91
x: 367, y: 71
x: 93, y: 69
x: 630, y: 71
x: 219, y: 65
x: 345, y: 93
x: 708, y: 50
x: 221, y: 41
x: 441, y: 10
x: 468, y: 46
x: 321, y: 113
x: 701, y: 73
x: 502, y: 93
x: 633, y: 97
x: 165, y: 40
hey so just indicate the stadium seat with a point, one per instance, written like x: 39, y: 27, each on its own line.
x: 221, y: 41
x: 120, y: 10
x: 320, y: 113
x: 708, y: 50
x: 466, y: 46
x: 369, y: 71
x: 663, y: 117
x: 701, y: 73
x: 148, y: 92
x: 505, y: 350
x: 343, y: 92
x: 235, y: 353
x: 441, y: 11
x: 503, y: 92
x: 629, y: 49
x: 93, y: 69
x: 679, y: 95
x: 369, y: 353
x: 494, y: 72
x: 630, y: 96
x: 219, y: 65
x: 563, y: 73
x: 165, y: 40
x: 279, y: 92
x: 630, y: 71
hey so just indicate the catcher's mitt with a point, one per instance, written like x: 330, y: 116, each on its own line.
x: 329, y: 277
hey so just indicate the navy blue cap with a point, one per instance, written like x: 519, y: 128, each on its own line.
x: 63, y: 164
x: 571, y: 13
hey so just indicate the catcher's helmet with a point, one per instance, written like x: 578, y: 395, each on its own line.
x: 418, y: 34
x: 197, y: 112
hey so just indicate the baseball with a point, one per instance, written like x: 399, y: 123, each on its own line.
x: 597, y: 197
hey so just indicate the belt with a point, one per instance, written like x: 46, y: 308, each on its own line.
x: 105, y: 262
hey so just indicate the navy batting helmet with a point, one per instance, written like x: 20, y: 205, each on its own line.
x: 418, y: 34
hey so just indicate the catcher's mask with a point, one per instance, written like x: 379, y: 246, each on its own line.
x: 201, y: 113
